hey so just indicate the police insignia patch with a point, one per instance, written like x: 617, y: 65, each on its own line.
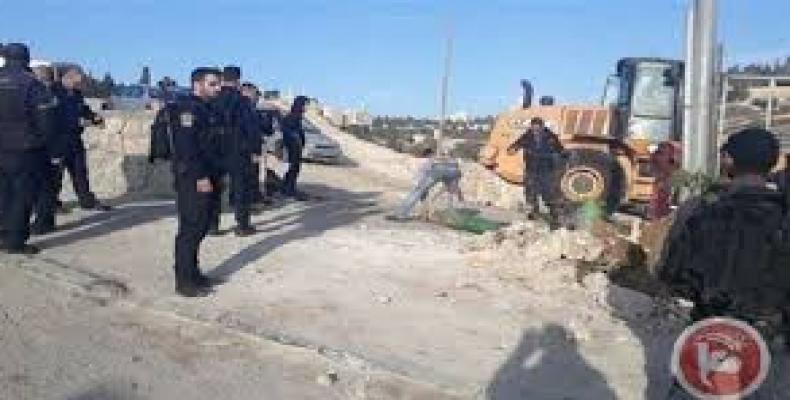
x: 187, y: 120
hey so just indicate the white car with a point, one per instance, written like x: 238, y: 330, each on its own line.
x: 318, y: 146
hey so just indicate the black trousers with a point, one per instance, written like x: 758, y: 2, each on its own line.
x: 47, y: 197
x: 194, y: 217
x: 239, y: 177
x: 20, y: 180
x: 539, y: 182
x: 294, y: 151
x: 76, y: 163
x: 255, y: 192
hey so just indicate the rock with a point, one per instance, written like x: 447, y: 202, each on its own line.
x: 384, y: 299
x: 327, y: 379
x: 652, y: 240
x: 625, y: 303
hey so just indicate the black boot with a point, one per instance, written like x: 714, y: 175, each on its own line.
x: 26, y: 249
x: 207, y: 282
x: 242, y: 231
x: 39, y: 228
x: 192, y: 290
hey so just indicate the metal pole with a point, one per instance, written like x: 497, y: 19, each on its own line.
x: 769, y: 111
x: 725, y: 83
x: 706, y: 22
x: 445, y: 82
x: 689, y: 91
x: 719, y: 107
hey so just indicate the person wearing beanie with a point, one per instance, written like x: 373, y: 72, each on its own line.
x: 26, y: 109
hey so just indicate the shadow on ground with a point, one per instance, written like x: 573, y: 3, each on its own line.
x: 547, y: 365
x: 338, y: 207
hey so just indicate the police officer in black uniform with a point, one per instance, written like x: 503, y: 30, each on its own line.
x: 294, y: 141
x: 266, y: 124
x: 73, y: 114
x: 47, y: 199
x: 239, y: 130
x: 197, y: 168
x: 26, y: 108
x: 542, y: 152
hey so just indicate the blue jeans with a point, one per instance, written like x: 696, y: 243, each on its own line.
x: 447, y: 173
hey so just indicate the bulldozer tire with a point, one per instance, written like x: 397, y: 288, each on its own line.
x: 590, y: 175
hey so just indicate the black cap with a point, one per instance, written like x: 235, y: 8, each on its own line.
x: 536, y: 121
x: 16, y: 52
x: 753, y: 150
x: 301, y: 100
x: 231, y: 73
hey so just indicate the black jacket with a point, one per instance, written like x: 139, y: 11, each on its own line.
x: 239, y: 122
x: 70, y: 112
x: 541, y: 146
x: 293, y: 132
x: 728, y: 251
x: 196, y: 141
x: 26, y: 111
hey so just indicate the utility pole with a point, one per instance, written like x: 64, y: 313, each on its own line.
x: 445, y: 84
x: 700, y: 144
x: 689, y: 92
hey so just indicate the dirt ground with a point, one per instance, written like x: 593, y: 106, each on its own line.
x: 329, y: 301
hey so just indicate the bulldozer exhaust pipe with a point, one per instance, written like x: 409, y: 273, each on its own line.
x: 526, y: 100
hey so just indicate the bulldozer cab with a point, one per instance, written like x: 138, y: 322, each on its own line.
x: 646, y: 94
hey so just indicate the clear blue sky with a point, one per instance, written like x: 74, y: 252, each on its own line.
x: 386, y: 54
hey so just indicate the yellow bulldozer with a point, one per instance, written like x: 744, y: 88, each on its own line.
x: 609, y: 145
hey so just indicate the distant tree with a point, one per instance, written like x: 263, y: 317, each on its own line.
x: 145, y: 78
x: 106, y: 85
x: 91, y: 87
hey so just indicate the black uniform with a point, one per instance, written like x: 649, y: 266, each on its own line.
x: 541, y: 150
x: 72, y: 110
x: 293, y: 141
x: 728, y: 251
x: 196, y: 156
x: 239, y: 129
x: 46, y: 203
x: 26, y: 107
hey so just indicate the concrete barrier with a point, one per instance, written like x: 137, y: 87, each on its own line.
x: 118, y: 158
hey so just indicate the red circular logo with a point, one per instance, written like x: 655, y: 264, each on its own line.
x: 720, y: 358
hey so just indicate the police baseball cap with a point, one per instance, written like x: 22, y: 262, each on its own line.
x: 231, y: 73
